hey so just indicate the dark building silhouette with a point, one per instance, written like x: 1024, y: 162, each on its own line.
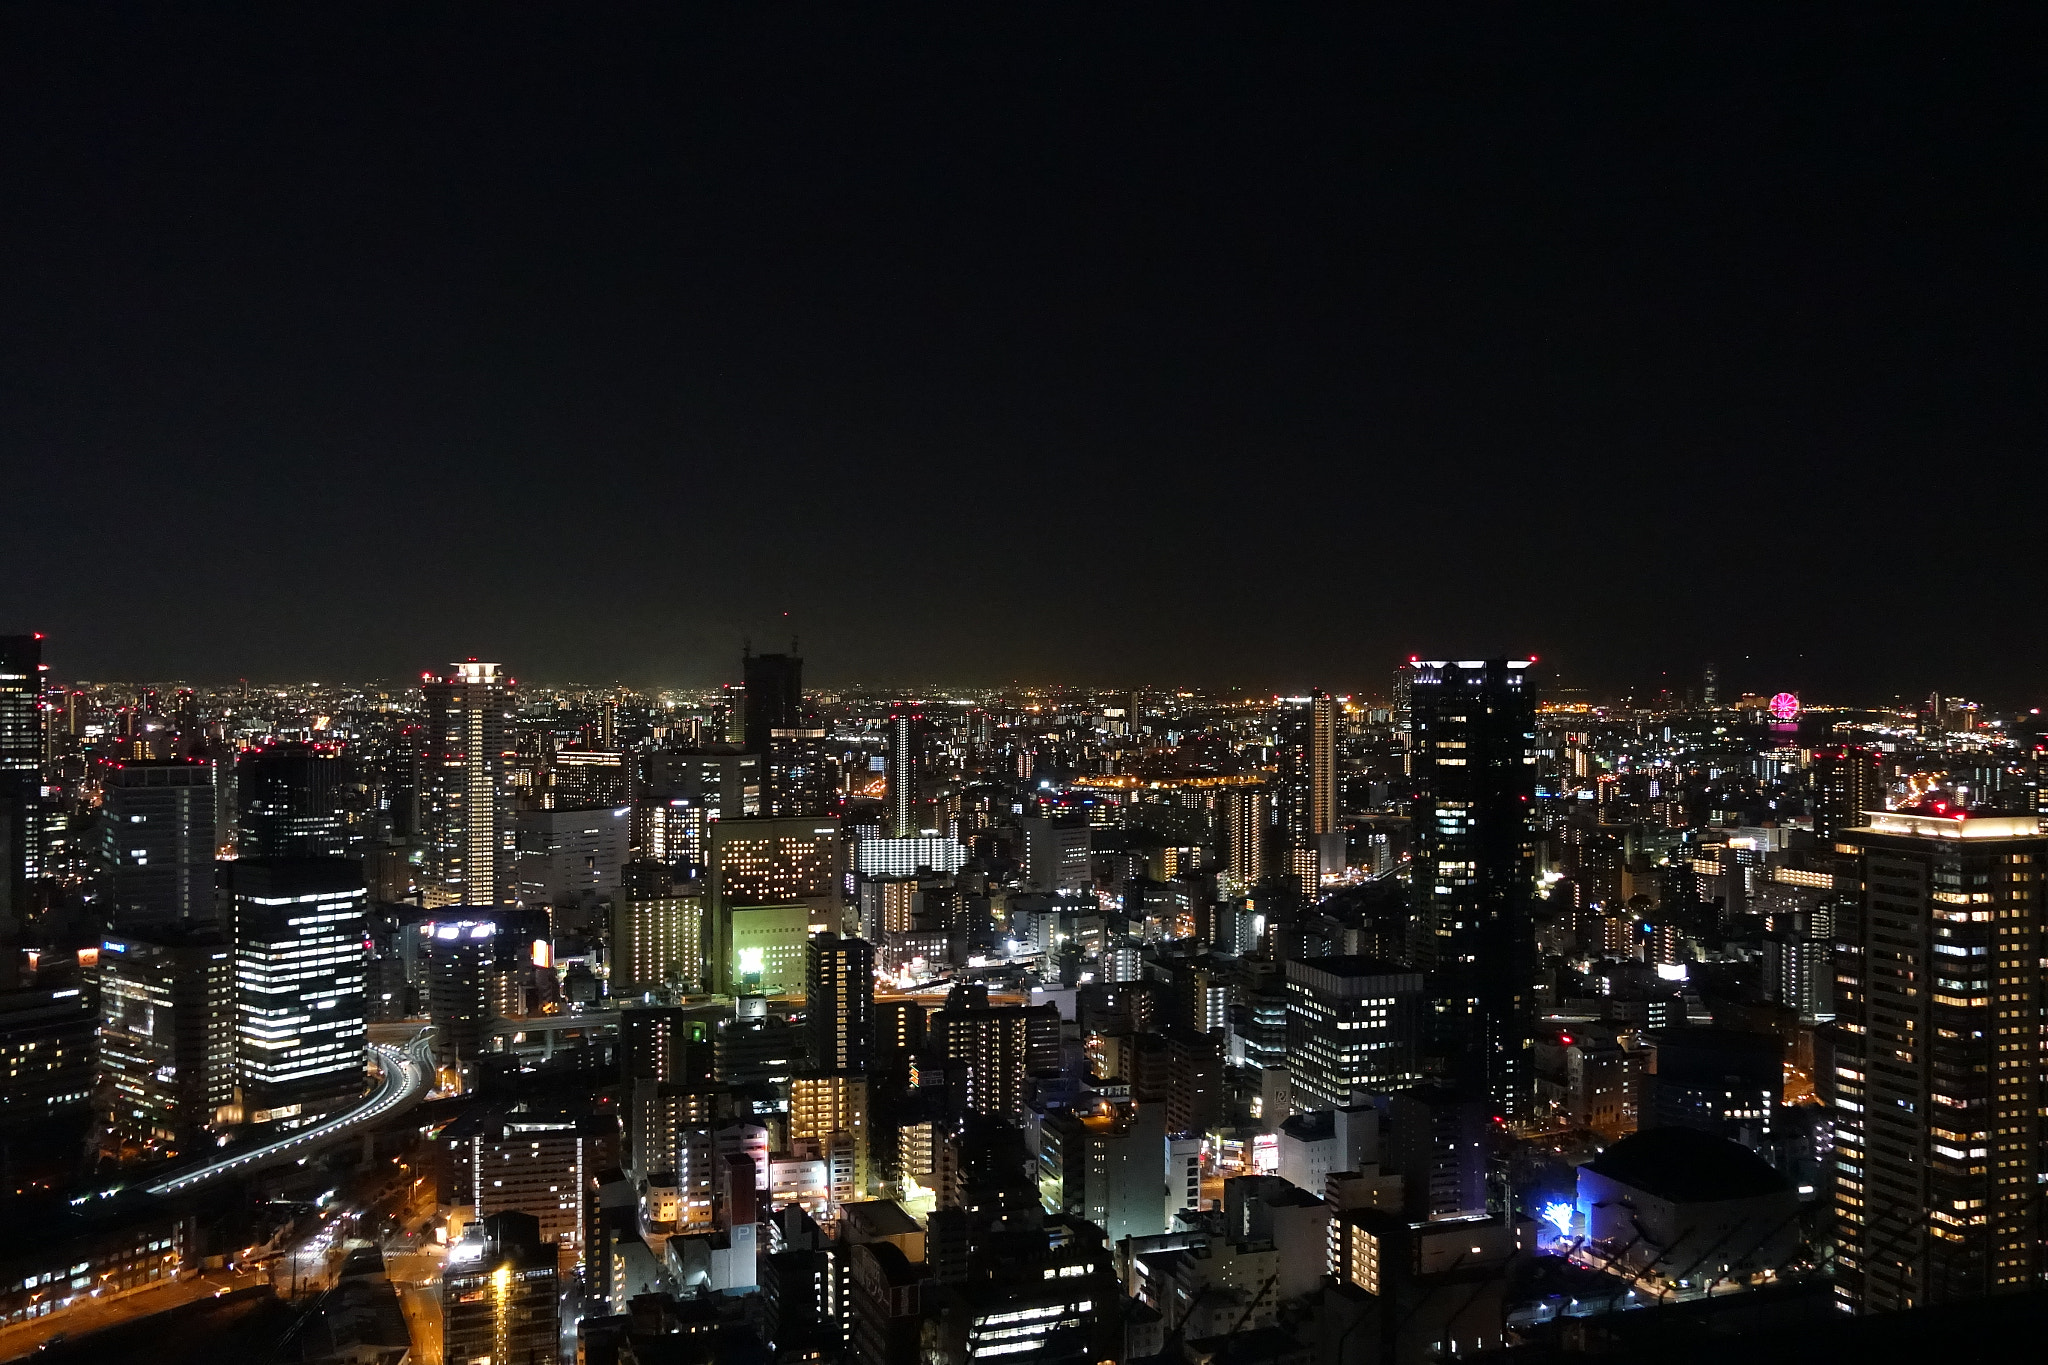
x: 1475, y: 868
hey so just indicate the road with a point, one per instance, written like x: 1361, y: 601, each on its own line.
x: 93, y: 1315
x: 408, y: 1074
x: 418, y: 1277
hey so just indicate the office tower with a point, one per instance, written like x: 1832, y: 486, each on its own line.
x: 839, y: 1008
x: 658, y: 942
x: 1241, y: 820
x: 781, y: 730
x: 997, y: 1050
x: 1938, y: 1055
x: 465, y: 804
x: 1195, y: 1091
x: 756, y: 1048
x: 908, y: 857
x: 156, y: 844
x: 570, y: 856
x: 688, y: 791
x: 1475, y: 869
x: 586, y: 777
x: 167, y: 1041
x: 458, y: 960
x: 771, y: 880
x: 528, y: 1161
x: 831, y: 1110
x: 300, y: 1000
x: 47, y: 1036
x: 21, y: 759
x: 1848, y: 781
x: 291, y: 799
x: 1353, y: 1023
x: 903, y: 817
x: 1055, y: 853
x: 500, y: 1303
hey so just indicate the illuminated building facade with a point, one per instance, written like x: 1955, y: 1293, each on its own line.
x: 839, y: 1002
x: 769, y: 865
x: 1242, y: 815
x: 46, y: 1055
x: 832, y: 1111
x: 1474, y: 735
x: 167, y: 1041
x: 21, y: 758
x: 1848, y: 780
x: 458, y: 958
x: 658, y: 941
x: 526, y: 1163
x: 1352, y: 1024
x: 500, y: 1301
x: 998, y: 1048
x: 465, y: 801
x: 300, y: 1000
x: 1937, y: 1085
x: 1307, y: 738
x: 904, y: 769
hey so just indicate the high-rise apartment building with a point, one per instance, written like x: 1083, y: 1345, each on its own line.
x: 301, y: 1004
x: 1241, y: 820
x: 1936, y: 1082
x: 658, y: 941
x: 292, y: 802
x: 832, y: 1111
x: 524, y: 1162
x: 997, y: 1050
x: 156, y: 844
x: 1307, y: 741
x: 500, y: 1303
x: 1848, y: 782
x: 465, y: 804
x: 903, y: 769
x: 1474, y: 733
x: 839, y: 1003
x: 167, y: 1041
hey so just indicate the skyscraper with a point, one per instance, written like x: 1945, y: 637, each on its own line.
x: 904, y: 764
x: 301, y: 1004
x: 465, y: 806
x: 167, y: 1040
x: 1475, y: 868
x: 1307, y: 741
x: 1241, y: 813
x: 457, y: 957
x: 21, y: 757
x: 783, y: 732
x: 839, y: 1002
x: 1936, y: 1083
x: 156, y: 844
x: 291, y: 802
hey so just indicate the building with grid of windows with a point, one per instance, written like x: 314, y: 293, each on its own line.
x: 1936, y: 1083
x: 167, y: 1042
x: 1352, y: 1024
x: 300, y: 999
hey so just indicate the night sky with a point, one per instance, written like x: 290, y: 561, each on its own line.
x: 1097, y: 344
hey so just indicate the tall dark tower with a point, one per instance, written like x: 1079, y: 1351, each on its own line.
x: 780, y: 729
x: 21, y: 758
x: 1475, y: 868
x: 291, y: 802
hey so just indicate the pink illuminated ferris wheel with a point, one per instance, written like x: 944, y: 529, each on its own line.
x: 1785, y: 707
